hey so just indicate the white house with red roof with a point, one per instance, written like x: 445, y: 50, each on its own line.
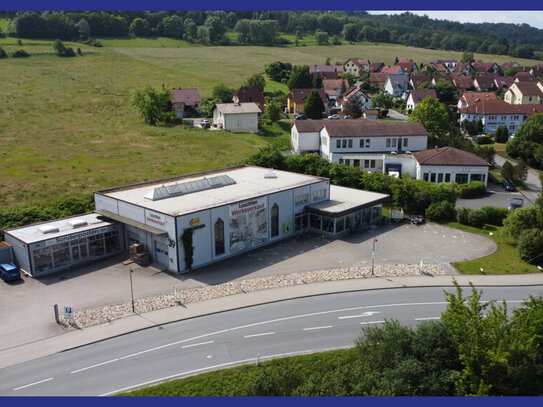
x: 469, y: 98
x: 493, y: 114
x: 418, y: 95
x: 357, y: 66
x: 363, y: 99
x: 237, y: 117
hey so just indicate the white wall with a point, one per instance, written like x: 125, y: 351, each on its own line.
x: 409, y: 164
x: 241, y: 123
x: 304, y: 141
x: 106, y: 203
x: 285, y: 202
x: 378, y: 144
x: 130, y: 211
x: 453, y: 170
x: 201, y: 238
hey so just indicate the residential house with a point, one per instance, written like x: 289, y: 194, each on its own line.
x: 449, y: 164
x: 394, y: 70
x: 237, y: 117
x: 184, y: 100
x: 469, y: 98
x: 364, y: 100
x: 447, y: 78
x: 357, y: 66
x: 376, y: 66
x: 378, y: 79
x: 372, y: 114
x: 247, y: 94
x: 510, y: 64
x: 418, y: 95
x: 408, y: 66
x: 503, y: 82
x: 524, y: 93
x: 523, y: 77
x: 333, y: 87
x: 463, y: 68
x: 450, y: 64
x: 484, y: 82
x: 326, y: 71
x: 297, y: 97
x: 537, y: 71
x: 463, y: 83
x: 493, y: 114
x: 485, y: 67
x: 396, y: 85
x: 416, y: 80
x: 440, y: 68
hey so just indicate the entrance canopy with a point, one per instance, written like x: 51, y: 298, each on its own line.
x: 131, y: 222
x: 344, y: 201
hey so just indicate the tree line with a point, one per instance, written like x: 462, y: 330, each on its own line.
x: 264, y: 27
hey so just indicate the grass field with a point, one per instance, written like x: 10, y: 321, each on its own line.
x: 67, y: 127
x: 504, y: 261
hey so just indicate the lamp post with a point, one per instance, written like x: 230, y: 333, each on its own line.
x: 373, y: 256
x: 132, y: 292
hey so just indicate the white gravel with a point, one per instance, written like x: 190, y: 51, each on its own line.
x: 103, y: 315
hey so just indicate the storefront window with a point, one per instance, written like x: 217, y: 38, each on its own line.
x: 315, y: 221
x: 219, y: 237
x: 96, y: 246
x: 113, y: 243
x: 340, y: 225
x: 43, y: 259
x: 327, y: 224
x: 61, y: 254
x: 300, y: 221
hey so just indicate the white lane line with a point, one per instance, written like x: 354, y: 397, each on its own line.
x: 365, y: 314
x: 317, y: 327
x: 262, y: 334
x: 406, y: 304
x: 96, y: 365
x: 372, y: 322
x: 32, y: 384
x: 197, y: 344
x: 426, y: 319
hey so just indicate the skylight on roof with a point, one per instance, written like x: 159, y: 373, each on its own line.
x: 188, y: 187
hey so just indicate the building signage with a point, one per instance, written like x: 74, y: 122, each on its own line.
x: 80, y: 235
x: 195, y: 222
x: 248, y: 224
x: 155, y: 219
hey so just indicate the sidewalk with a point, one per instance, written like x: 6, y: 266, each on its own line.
x: 58, y: 343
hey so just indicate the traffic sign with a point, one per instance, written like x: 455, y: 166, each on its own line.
x: 68, y: 313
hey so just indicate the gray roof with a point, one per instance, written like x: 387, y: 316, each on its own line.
x: 237, y: 108
x: 344, y: 201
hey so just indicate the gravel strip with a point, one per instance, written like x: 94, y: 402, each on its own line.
x: 106, y: 314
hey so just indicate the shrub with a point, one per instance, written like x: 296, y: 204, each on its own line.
x: 519, y: 220
x: 507, y: 170
x: 484, y: 140
x: 441, y: 211
x: 3, y: 54
x: 474, y: 189
x: 477, y: 218
x: 20, y: 54
x: 502, y: 134
x: 495, y: 216
x: 462, y: 215
x: 530, y: 245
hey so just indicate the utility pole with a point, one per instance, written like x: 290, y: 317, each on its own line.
x: 132, y: 292
x: 373, y: 256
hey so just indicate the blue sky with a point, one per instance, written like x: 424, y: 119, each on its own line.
x: 533, y: 18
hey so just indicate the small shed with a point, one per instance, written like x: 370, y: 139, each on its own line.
x: 237, y: 117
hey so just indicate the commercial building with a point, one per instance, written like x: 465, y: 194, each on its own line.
x: 218, y: 214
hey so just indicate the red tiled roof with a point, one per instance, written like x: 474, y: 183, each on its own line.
x: 416, y: 80
x: 438, y: 67
x: 472, y: 97
x: 485, y: 107
x: 529, y: 88
x: 187, y: 96
x: 449, y: 156
x: 523, y: 77
x: 407, y: 66
x: 530, y: 110
x: 247, y: 94
x: 503, y: 81
x: 370, y: 128
x: 334, y: 83
x: 485, y: 81
x: 463, y: 82
x: 483, y: 66
x: 299, y: 96
x: 418, y: 95
x: 325, y: 68
x: 378, y: 77
x: 538, y: 69
x: 359, y: 62
x: 391, y: 69
x: 509, y: 64
x: 308, y: 125
x: 461, y: 66
x: 376, y: 66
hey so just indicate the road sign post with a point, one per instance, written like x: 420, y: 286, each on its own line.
x: 68, y: 314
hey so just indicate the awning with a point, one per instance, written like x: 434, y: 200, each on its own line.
x: 131, y: 222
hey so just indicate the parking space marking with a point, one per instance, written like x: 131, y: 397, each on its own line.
x: 317, y: 327
x: 32, y: 384
x: 262, y: 334
x: 197, y: 344
x: 93, y: 366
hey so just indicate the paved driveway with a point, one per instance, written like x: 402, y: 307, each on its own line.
x: 496, y: 196
x: 26, y: 308
x: 532, y: 182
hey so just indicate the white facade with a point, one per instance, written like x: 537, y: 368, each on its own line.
x: 304, y: 142
x: 448, y: 173
x: 396, y: 85
x: 236, y: 122
x: 491, y: 122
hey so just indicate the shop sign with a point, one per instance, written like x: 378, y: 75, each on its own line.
x: 195, y: 222
x: 155, y: 219
x: 77, y: 236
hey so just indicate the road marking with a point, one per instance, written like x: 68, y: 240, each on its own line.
x: 426, y: 319
x: 372, y: 322
x: 365, y: 314
x: 197, y: 344
x: 317, y: 327
x: 32, y: 384
x: 96, y: 365
x: 262, y: 334
x: 406, y: 304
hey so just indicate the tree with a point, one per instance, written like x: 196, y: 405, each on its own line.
x: 317, y: 81
x: 507, y: 170
x: 530, y: 246
x: 352, y: 107
x: 256, y: 81
x: 321, y: 37
x: 3, y: 54
x: 202, y: 34
x: 520, y: 172
x: 432, y: 115
x: 191, y: 29
x: 314, y: 106
x: 153, y: 104
x: 467, y: 57
x: 273, y: 70
x: 216, y: 28
x: 502, y: 134
x: 300, y: 77
x: 520, y: 220
x: 445, y: 92
x: 382, y: 100
x: 274, y: 111
x: 223, y: 93
x: 83, y: 29
x: 61, y: 50
x: 139, y: 28
x: 525, y: 51
x: 172, y: 27
x: 528, y: 138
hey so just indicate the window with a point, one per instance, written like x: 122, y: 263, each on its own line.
x: 356, y: 163
x: 302, y: 199
x: 300, y: 221
x: 347, y: 162
x: 405, y: 142
x: 367, y: 143
x: 504, y: 117
x: 393, y: 142
x: 425, y: 176
x: 388, y: 142
x: 366, y: 163
x: 433, y: 177
x: 461, y: 178
x: 344, y: 143
x: 324, y: 141
x: 219, y: 237
x: 361, y: 143
x: 439, y: 178
x: 341, y: 161
x: 275, y: 220
x: 447, y: 177
x: 319, y: 195
x: 338, y: 143
x: 350, y: 143
x: 372, y: 164
x: 315, y: 221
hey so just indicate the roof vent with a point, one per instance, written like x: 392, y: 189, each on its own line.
x: 408, y: 152
x: 270, y: 174
x: 48, y: 229
x: 394, y: 152
x: 77, y: 223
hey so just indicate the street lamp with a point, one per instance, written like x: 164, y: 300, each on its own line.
x: 132, y: 292
x: 373, y: 256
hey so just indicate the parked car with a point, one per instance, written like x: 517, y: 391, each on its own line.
x: 205, y: 124
x: 515, y: 203
x: 417, y: 219
x: 508, y: 185
x: 300, y: 117
x: 9, y: 272
x: 334, y: 117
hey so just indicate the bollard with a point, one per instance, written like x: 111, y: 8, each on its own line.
x: 55, y: 308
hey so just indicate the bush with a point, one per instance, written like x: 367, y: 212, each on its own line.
x: 477, y: 218
x: 475, y: 189
x: 441, y: 211
x: 519, y: 220
x: 502, y: 134
x: 495, y: 216
x: 530, y: 245
x: 462, y: 215
x: 3, y: 54
x: 484, y: 140
x: 20, y: 54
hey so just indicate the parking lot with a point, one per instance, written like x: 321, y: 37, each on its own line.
x: 496, y: 196
x: 26, y: 307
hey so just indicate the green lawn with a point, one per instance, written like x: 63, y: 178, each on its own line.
x: 504, y: 261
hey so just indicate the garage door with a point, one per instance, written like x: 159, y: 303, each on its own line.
x: 161, y: 253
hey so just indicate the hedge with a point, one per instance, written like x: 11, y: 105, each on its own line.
x: 475, y: 189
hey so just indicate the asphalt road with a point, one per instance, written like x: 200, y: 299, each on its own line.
x: 230, y: 338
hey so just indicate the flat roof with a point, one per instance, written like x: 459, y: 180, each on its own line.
x: 31, y: 233
x: 344, y: 201
x: 250, y: 182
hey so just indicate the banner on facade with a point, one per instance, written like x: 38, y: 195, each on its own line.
x: 248, y: 224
